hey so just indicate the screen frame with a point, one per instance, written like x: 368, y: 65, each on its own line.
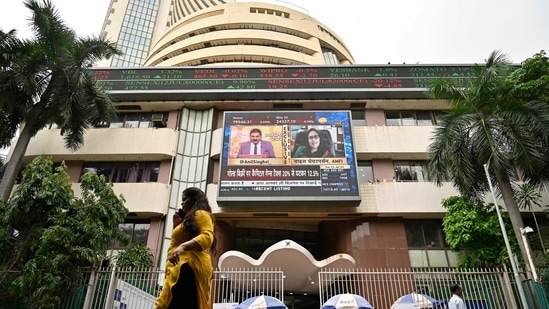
x: 353, y: 198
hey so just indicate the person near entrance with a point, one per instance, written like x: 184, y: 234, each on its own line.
x: 189, y: 266
x: 456, y: 302
x: 256, y: 147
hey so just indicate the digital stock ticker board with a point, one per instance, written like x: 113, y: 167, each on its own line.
x: 221, y: 82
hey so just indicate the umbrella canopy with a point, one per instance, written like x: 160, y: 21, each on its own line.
x: 347, y: 301
x: 261, y: 302
x: 422, y: 300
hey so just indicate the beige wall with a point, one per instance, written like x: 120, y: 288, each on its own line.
x: 397, y: 142
x: 146, y: 199
x: 385, y: 199
x: 112, y: 26
x: 107, y: 144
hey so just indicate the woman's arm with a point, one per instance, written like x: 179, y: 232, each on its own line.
x: 190, y: 245
x: 201, y: 242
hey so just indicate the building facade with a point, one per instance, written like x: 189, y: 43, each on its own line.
x: 171, y: 137
x: 190, y: 64
x: 197, y: 32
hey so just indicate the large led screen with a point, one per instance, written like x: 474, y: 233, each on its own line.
x: 287, y: 156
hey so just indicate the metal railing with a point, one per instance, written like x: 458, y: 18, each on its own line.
x: 138, y: 288
x: 235, y: 285
x: 483, y: 288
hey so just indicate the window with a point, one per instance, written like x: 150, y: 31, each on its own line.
x: 411, y: 118
x: 330, y: 56
x: 427, y: 248
x: 125, y: 171
x: 408, y: 118
x: 365, y: 172
x: 423, y: 118
x: 438, y: 114
x: 393, y: 118
x: 137, y: 232
x: 358, y: 117
x: 134, y: 120
x: 413, y: 171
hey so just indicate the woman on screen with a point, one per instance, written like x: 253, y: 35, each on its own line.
x: 318, y: 146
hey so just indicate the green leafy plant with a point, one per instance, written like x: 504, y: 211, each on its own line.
x: 52, y: 233
x: 138, y: 255
x: 472, y: 229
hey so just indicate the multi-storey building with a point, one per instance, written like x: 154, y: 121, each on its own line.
x: 370, y: 204
x: 196, y: 32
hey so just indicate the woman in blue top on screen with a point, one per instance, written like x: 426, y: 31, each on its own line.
x: 317, y: 146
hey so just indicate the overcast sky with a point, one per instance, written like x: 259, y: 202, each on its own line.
x: 380, y: 31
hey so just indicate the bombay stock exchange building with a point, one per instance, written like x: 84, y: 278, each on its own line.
x: 197, y: 76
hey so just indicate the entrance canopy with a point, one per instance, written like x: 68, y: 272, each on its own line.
x: 299, y: 266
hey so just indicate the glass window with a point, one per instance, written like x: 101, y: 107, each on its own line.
x: 119, y: 123
x: 438, y: 114
x: 414, y: 234
x: 424, y: 234
x: 408, y: 118
x: 125, y: 171
x: 358, y: 117
x: 411, y: 118
x: 358, y: 114
x: 365, y: 172
x: 132, y: 120
x: 424, y: 118
x: 136, y: 231
x: 403, y: 171
x: 393, y: 118
x: 411, y: 171
x: 141, y: 233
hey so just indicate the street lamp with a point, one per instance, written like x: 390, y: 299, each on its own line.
x: 507, y: 245
x: 524, y: 231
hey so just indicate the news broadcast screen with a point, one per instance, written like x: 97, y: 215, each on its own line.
x: 287, y: 156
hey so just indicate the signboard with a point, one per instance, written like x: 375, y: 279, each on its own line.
x: 128, y: 296
x: 288, y: 156
x: 278, y: 78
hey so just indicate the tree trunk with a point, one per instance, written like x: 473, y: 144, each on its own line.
x: 512, y: 209
x: 14, y: 164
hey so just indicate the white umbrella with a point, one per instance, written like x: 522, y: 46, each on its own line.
x: 421, y: 300
x: 347, y: 301
x: 262, y: 302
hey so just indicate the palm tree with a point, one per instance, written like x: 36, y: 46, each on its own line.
x: 488, y: 123
x: 45, y: 80
x: 527, y: 196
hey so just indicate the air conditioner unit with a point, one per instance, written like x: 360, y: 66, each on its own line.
x: 158, y: 120
x: 157, y: 117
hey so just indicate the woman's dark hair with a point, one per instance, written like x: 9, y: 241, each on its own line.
x: 200, y: 202
x: 322, y: 147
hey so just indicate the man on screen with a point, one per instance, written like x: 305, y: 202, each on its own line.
x: 256, y: 147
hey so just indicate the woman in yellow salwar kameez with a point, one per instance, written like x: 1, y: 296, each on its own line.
x: 189, y: 265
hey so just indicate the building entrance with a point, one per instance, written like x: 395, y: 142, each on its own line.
x: 301, y: 301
